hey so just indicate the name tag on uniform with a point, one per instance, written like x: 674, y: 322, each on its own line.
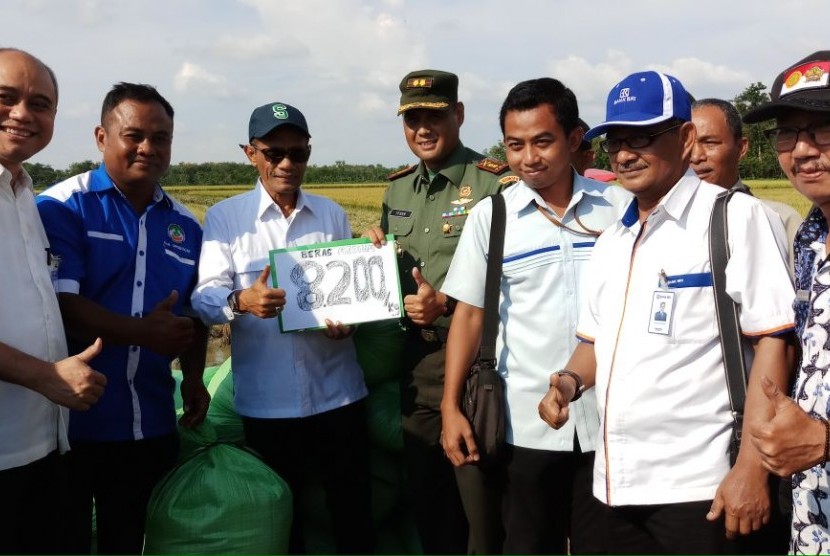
x: 661, y: 311
x: 400, y: 213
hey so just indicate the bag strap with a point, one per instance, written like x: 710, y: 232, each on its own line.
x: 492, y: 285
x: 727, y: 310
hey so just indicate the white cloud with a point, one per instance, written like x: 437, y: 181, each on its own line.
x: 192, y: 78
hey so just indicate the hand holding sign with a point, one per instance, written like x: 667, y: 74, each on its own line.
x: 792, y: 440
x: 424, y: 306
x: 260, y: 299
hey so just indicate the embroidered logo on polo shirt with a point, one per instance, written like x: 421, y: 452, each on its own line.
x: 175, y: 233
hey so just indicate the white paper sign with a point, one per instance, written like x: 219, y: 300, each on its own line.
x: 350, y: 281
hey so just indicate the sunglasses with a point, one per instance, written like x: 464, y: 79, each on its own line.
x: 275, y: 155
x: 613, y: 146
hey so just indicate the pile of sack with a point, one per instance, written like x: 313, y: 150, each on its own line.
x: 222, y: 498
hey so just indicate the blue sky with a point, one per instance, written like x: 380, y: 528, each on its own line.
x: 340, y: 61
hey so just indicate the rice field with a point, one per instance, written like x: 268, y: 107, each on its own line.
x: 361, y: 202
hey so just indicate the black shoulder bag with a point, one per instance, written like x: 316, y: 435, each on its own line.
x: 483, y: 401
x: 728, y: 323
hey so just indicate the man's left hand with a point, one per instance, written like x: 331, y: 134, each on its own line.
x: 196, y: 401
x: 743, y: 496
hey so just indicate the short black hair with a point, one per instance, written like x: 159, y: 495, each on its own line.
x: 138, y: 92
x: 545, y: 90
x: 730, y: 113
x: 51, y: 73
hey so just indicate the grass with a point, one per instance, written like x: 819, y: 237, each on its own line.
x: 361, y: 202
x: 781, y: 191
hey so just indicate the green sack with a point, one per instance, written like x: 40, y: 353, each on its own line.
x: 222, y: 423
x: 379, y: 347
x: 383, y: 411
x: 223, y: 500
x: 226, y: 422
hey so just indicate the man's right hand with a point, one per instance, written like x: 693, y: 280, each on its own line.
x: 260, y: 299
x: 73, y: 383
x: 457, y: 437
x: 375, y: 235
x: 553, y: 409
x: 168, y: 333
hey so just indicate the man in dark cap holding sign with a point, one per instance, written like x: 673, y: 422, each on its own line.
x: 796, y: 440
x: 425, y: 207
x: 300, y: 395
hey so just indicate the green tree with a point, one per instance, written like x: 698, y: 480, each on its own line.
x: 761, y: 160
x: 496, y: 152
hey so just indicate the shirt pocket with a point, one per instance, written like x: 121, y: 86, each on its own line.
x: 516, y: 267
x: 693, y: 319
x: 401, y: 225
x: 248, y: 270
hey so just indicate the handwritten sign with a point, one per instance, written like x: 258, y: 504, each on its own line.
x: 350, y: 281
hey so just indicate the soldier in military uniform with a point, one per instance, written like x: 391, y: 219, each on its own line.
x: 425, y: 207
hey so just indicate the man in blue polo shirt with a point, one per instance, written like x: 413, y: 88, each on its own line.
x: 127, y: 256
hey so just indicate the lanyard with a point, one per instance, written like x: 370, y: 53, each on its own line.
x: 587, y: 231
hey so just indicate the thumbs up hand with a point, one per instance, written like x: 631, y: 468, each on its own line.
x: 426, y: 304
x: 164, y: 331
x: 792, y: 440
x: 260, y: 299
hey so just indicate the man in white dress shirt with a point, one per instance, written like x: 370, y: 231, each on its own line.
x: 300, y: 394
x: 36, y: 377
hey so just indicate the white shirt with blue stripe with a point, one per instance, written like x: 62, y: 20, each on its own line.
x: 663, y: 401
x: 542, y: 281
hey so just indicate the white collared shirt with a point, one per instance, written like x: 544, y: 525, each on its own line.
x: 543, y: 274
x: 663, y: 401
x: 276, y: 375
x: 30, y: 425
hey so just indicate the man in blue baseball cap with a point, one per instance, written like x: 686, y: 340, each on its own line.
x: 301, y: 395
x: 662, y: 465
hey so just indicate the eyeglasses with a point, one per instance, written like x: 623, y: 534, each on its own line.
x: 613, y: 146
x: 275, y: 155
x: 784, y: 138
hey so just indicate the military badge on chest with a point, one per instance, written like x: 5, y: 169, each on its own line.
x: 464, y: 197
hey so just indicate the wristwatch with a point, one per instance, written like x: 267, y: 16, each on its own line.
x: 449, y: 306
x: 580, y: 386
x: 233, y: 302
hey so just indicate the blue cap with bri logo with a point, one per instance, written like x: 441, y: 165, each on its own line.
x: 643, y: 99
x: 269, y: 117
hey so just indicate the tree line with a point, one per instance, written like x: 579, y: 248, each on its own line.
x: 760, y: 162
x: 223, y: 173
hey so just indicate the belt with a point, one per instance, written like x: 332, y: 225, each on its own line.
x: 432, y: 334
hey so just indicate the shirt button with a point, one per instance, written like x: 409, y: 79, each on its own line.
x: 141, y: 253
x: 426, y: 230
x: 432, y: 197
x: 423, y: 264
x: 133, y: 348
x: 138, y: 283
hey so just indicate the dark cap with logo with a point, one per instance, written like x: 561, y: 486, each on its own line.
x: 269, y: 117
x: 804, y: 85
x: 431, y: 89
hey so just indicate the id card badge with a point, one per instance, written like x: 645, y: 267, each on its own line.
x: 660, y: 315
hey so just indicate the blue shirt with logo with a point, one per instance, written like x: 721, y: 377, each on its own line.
x: 127, y: 263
